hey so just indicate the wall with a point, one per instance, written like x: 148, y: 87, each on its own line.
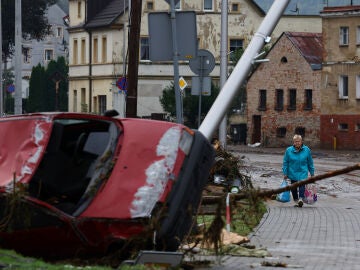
x: 296, y: 74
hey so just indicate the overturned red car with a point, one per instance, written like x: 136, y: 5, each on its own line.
x: 80, y: 184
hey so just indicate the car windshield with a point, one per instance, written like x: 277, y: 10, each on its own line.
x: 70, y: 170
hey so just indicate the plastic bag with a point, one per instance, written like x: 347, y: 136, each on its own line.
x: 283, y: 196
x: 310, y: 194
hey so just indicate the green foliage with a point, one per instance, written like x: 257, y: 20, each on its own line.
x: 34, y: 22
x: 190, y: 104
x: 37, y: 88
x: 42, y: 88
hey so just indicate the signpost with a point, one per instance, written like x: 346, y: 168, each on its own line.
x: 121, y: 83
x: 202, y: 65
x: 176, y: 40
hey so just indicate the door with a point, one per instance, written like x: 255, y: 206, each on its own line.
x: 256, y: 132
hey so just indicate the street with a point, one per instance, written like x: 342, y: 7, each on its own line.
x: 325, y: 235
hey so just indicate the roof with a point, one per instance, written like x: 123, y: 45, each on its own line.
x: 341, y: 9
x: 309, y: 45
x: 108, y: 14
x: 306, y: 8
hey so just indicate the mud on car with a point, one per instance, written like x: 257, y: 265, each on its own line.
x: 80, y: 184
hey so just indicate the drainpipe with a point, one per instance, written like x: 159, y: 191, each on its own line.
x: 90, y: 70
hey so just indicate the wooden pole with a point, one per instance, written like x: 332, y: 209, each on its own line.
x: 133, y: 47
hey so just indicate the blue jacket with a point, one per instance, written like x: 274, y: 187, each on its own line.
x: 297, y: 164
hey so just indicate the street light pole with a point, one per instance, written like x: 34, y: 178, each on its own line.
x: 18, y: 58
x: 1, y: 71
x: 223, y: 65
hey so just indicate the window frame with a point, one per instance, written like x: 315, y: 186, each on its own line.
x: 205, y: 4
x: 308, y: 99
x: 26, y: 52
x: 149, y: 3
x: 343, y: 87
x: 144, y: 49
x: 46, y: 58
x: 358, y: 35
x: 292, y: 99
x: 262, y: 100
x: 279, y: 99
x: 344, y: 36
x: 357, y: 86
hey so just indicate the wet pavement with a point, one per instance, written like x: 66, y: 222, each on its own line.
x: 325, y: 235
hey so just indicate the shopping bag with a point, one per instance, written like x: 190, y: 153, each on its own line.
x: 283, y: 196
x: 310, y: 194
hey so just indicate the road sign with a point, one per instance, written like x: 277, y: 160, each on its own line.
x: 10, y: 88
x: 203, y: 64
x: 121, y: 83
x: 161, y: 40
x: 182, y: 83
x: 204, y: 86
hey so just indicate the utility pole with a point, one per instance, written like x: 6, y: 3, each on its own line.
x: 133, y: 47
x: 1, y: 70
x: 18, y: 58
x: 223, y: 65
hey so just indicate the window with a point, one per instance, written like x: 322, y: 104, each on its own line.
x: 84, y: 106
x: 235, y: 45
x: 281, y: 132
x: 95, y: 50
x: 344, y: 35
x: 235, y: 7
x: 358, y: 35
x: 75, y: 52
x: 208, y: 5
x: 357, y: 127
x: 26, y: 55
x: 75, y: 101
x: 102, y: 104
x: 343, y: 87
x: 262, y: 100
x: 144, y: 48
x: 104, y: 50
x: 149, y: 5
x: 83, y: 51
x: 79, y: 9
x: 308, y: 99
x: 358, y: 86
x: 292, y: 99
x: 279, y: 99
x: 300, y: 131
x: 59, y: 32
x: 48, y: 55
x: 343, y: 127
x: 178, y: 5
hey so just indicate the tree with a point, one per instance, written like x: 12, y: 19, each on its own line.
x: 190, y: 104
x: 34, y: 22
x: 57, y: 67
x: 37, y: 89
x: 42, y: 88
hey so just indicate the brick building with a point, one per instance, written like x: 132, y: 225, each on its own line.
x: 284, y: 94
x: 340, y: 108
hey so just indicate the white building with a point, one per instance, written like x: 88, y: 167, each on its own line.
x: 98, y: 44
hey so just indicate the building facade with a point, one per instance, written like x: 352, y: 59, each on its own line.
x: 284, y: 94
x: 340, y: 108
x: 41, y: 52
x: 98, y: 47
